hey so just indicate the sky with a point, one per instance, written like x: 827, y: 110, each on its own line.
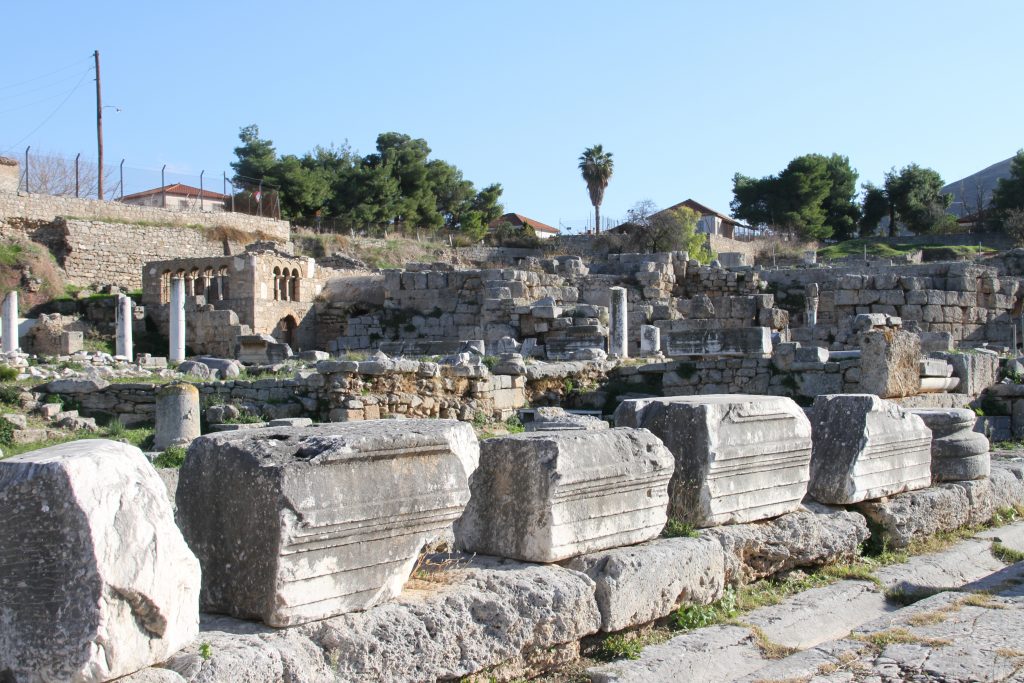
x: 684, y: 94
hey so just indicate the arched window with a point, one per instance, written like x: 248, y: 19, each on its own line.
x: 190, y: 282
x: 295, y: 284
x: 277, y: 284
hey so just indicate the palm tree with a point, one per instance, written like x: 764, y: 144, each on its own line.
x: 596, y: 167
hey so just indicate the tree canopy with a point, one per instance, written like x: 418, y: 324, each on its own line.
x: 672, y: 229
x: 813, y: 198
x: 396, y: 185
x: 911, y: 197
x: 596, y: 166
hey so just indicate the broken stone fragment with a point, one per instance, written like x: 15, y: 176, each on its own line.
x: 96, y: 581
x: 297, y: 524
x: 739, y: 458
x: 549, y: 496
x: 866, y: 448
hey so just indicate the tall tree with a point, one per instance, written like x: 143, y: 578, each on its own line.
x: 813, y: 197
x: 596, y: 165
x: 916, y: 200
x: 1009, y: 192
x: 874, y: 208
x: 256, y: 157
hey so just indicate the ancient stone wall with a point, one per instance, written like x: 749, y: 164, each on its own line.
x: 970, y: 302
x: 21, y: 205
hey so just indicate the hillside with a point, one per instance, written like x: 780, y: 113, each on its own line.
x: 965, y: 190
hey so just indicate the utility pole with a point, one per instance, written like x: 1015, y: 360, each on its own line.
x: 99, y: 128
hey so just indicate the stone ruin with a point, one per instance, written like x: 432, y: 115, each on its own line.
x: 290, y: 527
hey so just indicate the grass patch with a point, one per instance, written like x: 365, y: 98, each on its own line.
x: 620, y: 646
x: 173, y: 457
x: 676, y: 529
x: 881, y: 248
x: 1006, y: 554
x: 8, y: 374
x: 689, y: 617
x: 897, y: 636
x: 514, y: 425
x: 769, y: 649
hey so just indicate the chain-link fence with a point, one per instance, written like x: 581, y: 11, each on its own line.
x: 165, y: 187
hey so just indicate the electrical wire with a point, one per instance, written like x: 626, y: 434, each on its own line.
x: 55, y: 83
x: 53, y: 113
x: 34, y: 103
x: 36, y: 78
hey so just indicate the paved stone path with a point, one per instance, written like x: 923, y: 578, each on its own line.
x: 971, y: 630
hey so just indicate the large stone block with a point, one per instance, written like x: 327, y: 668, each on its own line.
x: 739, y: 458
x: 549, y: 496
x: 715, y: 341
x: 296, y: 524
x: 95, y: 579
x: 866, y: 448
x: 958, y: 452
x: 889, y: 363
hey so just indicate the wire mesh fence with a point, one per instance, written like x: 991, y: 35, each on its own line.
x: 78, y: 176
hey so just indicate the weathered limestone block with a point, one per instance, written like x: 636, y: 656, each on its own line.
x: 296, y: 524
x: 958, y: 452
x: 739, y: 458
x: 550, y: 418
x: 866, y: 448
x: 95, y: 579
x: 641, y: 583
x: 177, y: 416
x: 714, y: 340
x: 889, y: 363
x: 917, y: 514
x: 549, y: 496
x: 812, y: 536
x: 465, y: 616
x: 977, y: 370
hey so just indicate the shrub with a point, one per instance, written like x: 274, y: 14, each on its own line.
x: 677, y: 529
x: 8, y: 374
x: 6, y: 432
x: 9, y: 395
x: 514, y: 425
x: 173, y: 457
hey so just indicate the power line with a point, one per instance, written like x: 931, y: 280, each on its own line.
x: 53, y: 113
x: 39, y: 101
x: 64, y: 79
x: 41, y: 76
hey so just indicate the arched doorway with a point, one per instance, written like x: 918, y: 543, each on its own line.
x: 285, y: 331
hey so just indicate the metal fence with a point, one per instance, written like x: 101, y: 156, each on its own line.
x: 78, y: 176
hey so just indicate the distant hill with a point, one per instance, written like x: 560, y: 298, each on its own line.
x: 965, y: 190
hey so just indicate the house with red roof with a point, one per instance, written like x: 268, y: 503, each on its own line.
x: 179, y: 197
x: 542, y: 230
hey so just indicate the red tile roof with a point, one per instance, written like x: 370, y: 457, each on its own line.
x: 178, y: 190
x: 519, y: 219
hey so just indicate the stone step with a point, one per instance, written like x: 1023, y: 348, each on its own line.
x: 816, y: 622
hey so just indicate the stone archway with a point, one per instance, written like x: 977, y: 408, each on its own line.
x: 285, y: 331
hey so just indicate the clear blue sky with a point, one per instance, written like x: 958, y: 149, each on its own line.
x: 684, y: 94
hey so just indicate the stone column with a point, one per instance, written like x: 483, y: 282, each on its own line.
x: 177, y: 416
x: 10, y: 318
x: 650, y: 340
x: 811, y: 295
x: 176, y: 354
x: 618, y: 344
x: 124, y: 327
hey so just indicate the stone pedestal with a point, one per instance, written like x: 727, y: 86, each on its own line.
x: 124, y: 327
x: 739, y: 458
x: 811, y: 296
x: 177, y: 416
x: 866, y: 448
x: 176, y: 352
x: 96, y: 581
x: 958, y: 452
x: 650, y: 340
x: 10, y: 322
x: 618, y: 337
x: 549, y: 496
x: 298, y: 524
x: 889, y: 363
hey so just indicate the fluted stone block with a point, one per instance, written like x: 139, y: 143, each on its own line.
x: 297, y: 524
x: 96, y: 581
x: 549, y: 496
x: 739, y: 458
x: 958, y: 452
x: 866, y: 448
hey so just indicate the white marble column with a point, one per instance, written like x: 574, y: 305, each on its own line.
x: 618, y: 339
x: 10, y: 317
x: 176, y: 314
x: 124, y: 327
